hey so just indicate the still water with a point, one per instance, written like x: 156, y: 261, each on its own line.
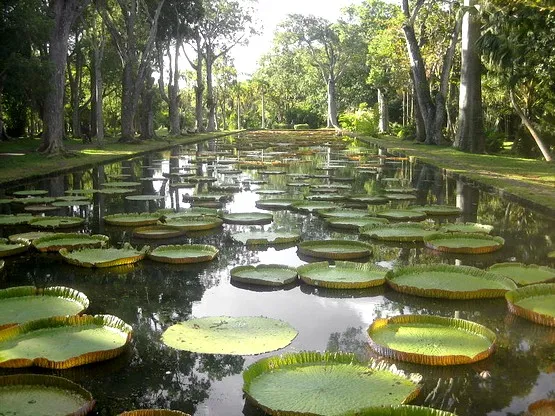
x: 152, y: 296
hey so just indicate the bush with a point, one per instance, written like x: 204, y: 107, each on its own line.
x: 303, y: 126
x: 494, y: 141
x: 364, y: 120
x: 407, y: 132
x: 283, y: 126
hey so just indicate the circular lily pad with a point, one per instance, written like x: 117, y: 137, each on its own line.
x: 401, y: 215
x: 368, y: 199
x: 401, y: 197
x: 56, y: 222
x: 186, y: 253
x: 34, y: 394
x: 431, y: 340
x: 342, y: 275
x: 313, y: 383
x: 401, y: 410
x: 121, y: 184
x: 325, y: 197
x: 266, y: 237
x: 157, y: 232
x: 71, y: 241
x: 247, y: 335
x: 312, y: 206
x: 72, y: 198
x: 18, y: 219
x: 524, y: 274
x: 335, y: 249
x: 80, y: 191
x: 212, y: 197
x: 346, y: 213
x: 7, y: 249
x: 153, y: 412
x: 248, y: 218
x: 40, y: 208
x: 27, y: 303
x: 103, y: 257
x: 264, y: 274
x: 194, y: 223
x: 188, y: 212
x: 31, y: 192
x: 144, y: 197
x: 464, y: 243
x: 467, y: 227
x: 270, y: 192
x: 63, y: 341
x: 535, y: 303
x: 355, y: 223
x: 450, y: 282
x: 402, y: 232
x: 116, y: 191
x: 34, y: 200
x: 132, y: 219
x: 29, y: 237
x: 73, y: 203
x: 276, y: 203
x: 438, y: 209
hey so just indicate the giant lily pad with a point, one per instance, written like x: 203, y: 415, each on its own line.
x: 342, y: 275
x: 153, y: 412
x: 325, y: 197
x: 73, y: 203
x: 270, y: 191
x: 401, y: 197
x: 401, y: 215
x: 335, y: 249
x: 12, y: 249
x: 188, y: 212
x: 451, y: 282
x: 247, y: 335
x: 212, y: 197
x: 194, y: 223
x: 467, y: 227
x: 157, y: 232
x: 121, y: 184
x: 311, y: 206
x: 266, y: 237
x: 34, y: 200
x: 103, y: 257
x: 313, y: 383
x: 368, y: 199
x: 132, y: 219
x: 15, y: 219
x: 116, y: 191
x: 186, y: 253
x: 523, y: 274
x: 71, y: 241
x: 276, y: 203
x: 63, y: 341
x: 34, y: 394
x: 248, y: 218
x: 345, y: 213
x: 399, y: 232
x: 56, y: 222
x: 438, y: 209
x: 264, y: 274
x: 29, y: 237
x: 401, y: 410
x: 355, y: 223
x: 144, y: 197
x: 31, y: 192
x: 27, y: 303
x: 431, y: 340
x: 464, y: 243
x: 535, y: 303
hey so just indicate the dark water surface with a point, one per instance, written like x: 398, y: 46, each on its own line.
x: 152, y: 296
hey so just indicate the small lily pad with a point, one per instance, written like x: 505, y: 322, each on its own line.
x: 247, y: 335
x: 248, y: 218
x: 34, y: 200
x: 157, y: 232
x: 276, y: 203
x: 335, y: 249
x: 401, y: 197
x: 368, y: 199
x: 144, y: 197
x: 188, y: 212
x: 121, y: 184
x: 342, y: 275
x: 266, y: 237
x: 264, y: 274
x: 346, y: 213
x: 80, y: 202
x: 467, y: 227
x: 186, y: 253
x: 355, y: 223
x: 535, y: 303
x: 103, y: 257
x: 438, y: 209
x: 270, y: 192
x: 200, y: 223
x: 31, y: 192
x: 524, y: 274
x: 403, y: 232
x: 402, y: 215
x: 133, y: 219
x: 17, y: 219
x: 213, y: 197
x: 116, y: 191
x: 70, y: 241
x: 464, y: 243
x: 56, y: 222
x: 312, y: 206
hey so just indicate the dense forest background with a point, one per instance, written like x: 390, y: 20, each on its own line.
x: 478, y: 74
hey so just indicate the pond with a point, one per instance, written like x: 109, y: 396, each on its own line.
x: 152, y: 296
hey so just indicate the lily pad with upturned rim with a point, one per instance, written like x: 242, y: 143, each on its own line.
x: 7, y: 249
x: 37, y: 394
x: 402, y: 232
x: 450, y: 282
x: 29, y: 237
x: 121, y: 184
x: 342, y: 275
x: 402, y: 215
x: 312, y: 206
x: 276, y: 203
x: 144, y: 197
x: 464, y: 243
x: 335, y: 249
x: 22, y: 304
x: 438, y: 209
x: 368, y: 199
x: 185, y: 253
x: 313, y: 383
x: 132, y: 219
x: 187, y: 212
x: 248, y: 218
x: 103, y: 257
x: 153, y: 412
x: 116, y: 191
x: 157, y: 232
x: 56, y: 222
x: 535, y: 303
x: 524, y: 274
x: 266, y: 237
x: 247, y: 335
x: 63, y: 341
x: 200, y: 223
x: 467, y: 227
x: 34, y: 200
x: 73, y: 203
x: 264, y: 274
x: 345, y: 213
x: 70, y: 241
x: 431, y: 340
x: 401, y: 410
x: 355, y: 223
x: 31, y: 192
x: 17, y: 219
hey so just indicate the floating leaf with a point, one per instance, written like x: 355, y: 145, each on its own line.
x: 186, y: 253
x: 63, y: 341
x: 269, y: 191
x: 71, y: 203
x: 133, y: 219
x: 34, y: 200
x: 276, y: 203
x: 153, y: 412
x: 31, y: 192
x: 71, y: 241
x: 342, y: 275
x: 401, y: 410
x: 103, y: 257
x: 431, y: 340
x: 188, y: 212
x: 15, y: 219
x: 264, y: 274
x: 467, y: 227
x: 535, y: 303
x: 194, y: 223
x: 355, y: 223
x: 401, y: 215
x: 368, y: 199
x: 157, y: 232
x: 438, y: 209
x: 12, y: 249
x: 335, y: 249
x: 346, y: 213
x: 524, y: 274
x: 144, y: 197
x: 266, y: 237
x: 56, y: 222
x: 247, y: 335
x: 121, y: 184
x: 29, y: 237
x: 248, y: 218
x: 311, y: 206
x: 401, y: 197
x: 464, y: 243
x: 402, y: 232
x: 116, y: 191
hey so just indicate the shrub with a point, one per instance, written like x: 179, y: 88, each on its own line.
x: 303, y: 126
x: 364, y: 120
x: 283, y: 126
x: 494, y: 141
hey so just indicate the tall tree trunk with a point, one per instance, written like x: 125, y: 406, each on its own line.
x: 383, y: 124
x: 332, y: 103
x: 263, y: 113
x: 98, y: 116
x: 470, y: 129
x: 3, y: 134
x: 128, y: 104
x: 210, y: 100
x: 173, y: 92
x: 199, y: 88
x: 75, y: 88
x: 147, y: 109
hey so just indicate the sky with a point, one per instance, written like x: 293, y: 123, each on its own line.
x: 272, y: 12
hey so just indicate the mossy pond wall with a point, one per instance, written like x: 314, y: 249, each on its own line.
x: 151, y: 296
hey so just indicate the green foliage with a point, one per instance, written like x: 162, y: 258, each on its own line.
x: 303, y: 126
x: 494, y: 141
x: 364, y: 120
x: 283, y: 126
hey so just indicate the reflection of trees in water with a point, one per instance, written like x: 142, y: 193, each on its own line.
x: 353, y: 340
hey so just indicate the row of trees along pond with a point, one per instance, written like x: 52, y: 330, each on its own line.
x: 474, y: 74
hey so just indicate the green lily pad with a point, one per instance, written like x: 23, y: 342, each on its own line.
x: 276, y: 203
x: 355, y: 223
x: 213, y: 197
x: 464, y: 243
x: 438, y: 209
x: 402, y: 232
x: 157, y: 232
x: 6, y: 200
x: 18, y: 219
x: 74, y: 203
x: 73, y: 198
x: 121, y: 184
x: 401, y: 215
x: 133, y: 219
x: 70, y: 241
x: 80, y: 191
x: 266, y: 237
x: 194, y: 223
x: 119, y: 176
x: 248, y: 218
x: 63, y: 341
x: 264, y: 274
x: 56, y: 222
x: 335, y: 249
x: 345, y: 213
x: 298, y: 184
x: 34, y: 200
x: 401, y: 410
x: 188, y: 212
x: 7, y: 249
x: 22, y: 304
x: 186, y: 253
x: 313, y: 383
x: 116, y: 191
x: 247, y: 335
x: 524, y: 274
x: 269, y: 191
x: 342, y: 275
x: 153, y: 412
x: 467, y: 227
x: 31, y: 192
x: 34, y: 394
x: 326, y: 197
x: 144, y: 197
x: 368, y: 199
x: 40, y: 208
x: 27, y: 238
x: 400, y: 190
x: 401, y: 197
x: 535, y: 303
x: 181, y: 185
x: 312, y: 206
x: 103, y: 257
x: 450, y: 282
x: 431, y: 340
